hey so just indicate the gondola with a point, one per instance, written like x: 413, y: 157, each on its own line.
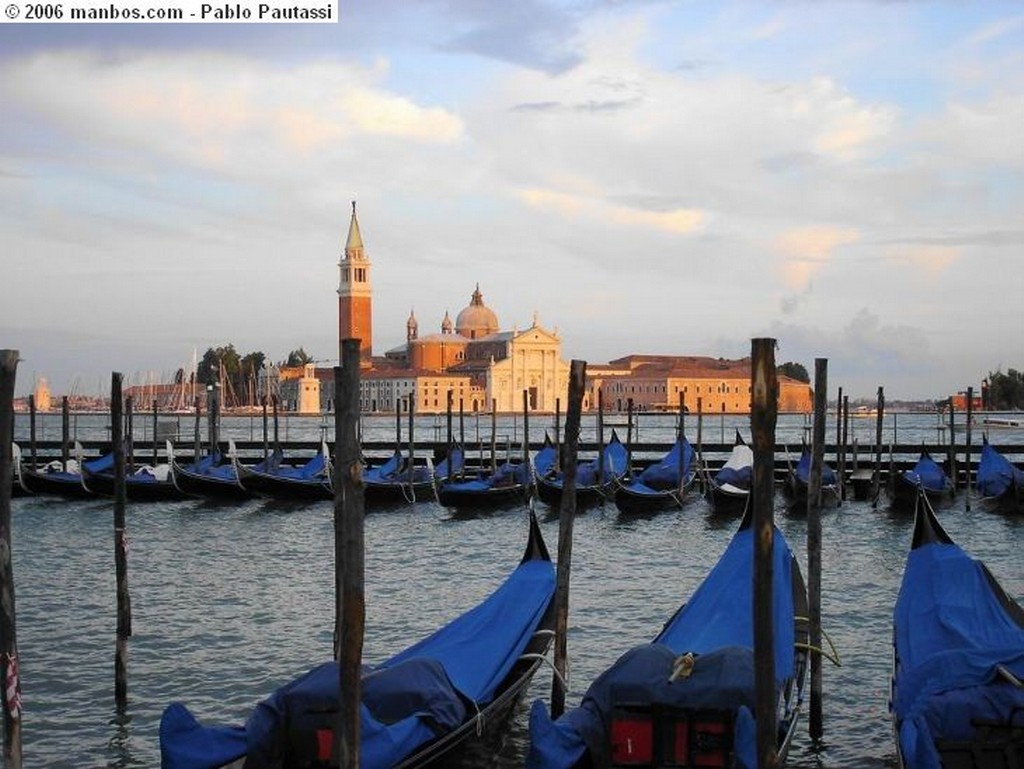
x: 509, y: 484
x: 926, y: 476
x: 148, y: 483
x: 661, y: 486
x: 728, y: 490
x: 595, y: 478
x: 957, y: 688
x: 18, y: 487
x: 57, y: 479
x: 395, y: 481
x: 687, y: 698
x: 999, y: 482
x: 798, y: 479
x: 416, y: 706
x: 277, y: 479
x: 212, y: 476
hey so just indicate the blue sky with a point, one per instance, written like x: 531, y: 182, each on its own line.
x: 649, y: 177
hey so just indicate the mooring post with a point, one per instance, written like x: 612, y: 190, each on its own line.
x: 876, y: 480
x: 129, y: 433
x: 32, y: 430
x: 600, y: 437
x: 566, y: 516
x: 846, y: 424
x: 681, y: 433
x: 526, y: 426
x: 11, y: 694
x: 412, y: 445
x: 156, y: 456
x: 952, y: 442
x: 65, y: 431
x: 629, y: 436
x: 196, y: 446
x: 449, y: 404
x: 814, y: 540
x: 494, y: 435
x: 462, y: 434
x: 266, y: 430
x: 840, y: 454
x: 967, y: 443
x: 764, y: 387
x: 124, y: 603
x: 700, y: 445
x: 274, y: 402
x: 558, y: 428
x: 349, y: 553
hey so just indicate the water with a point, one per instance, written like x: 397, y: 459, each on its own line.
x: 229, y: 602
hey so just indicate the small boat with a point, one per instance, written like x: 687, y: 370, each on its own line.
x: 595, y: 478
x: 798, y: 479
x: 687, y: 698
x: 57, y: 479
x: 416, y: 706
x: 280, y: 480
x: 999, y: 482
x: 395, y: 481
x: 660, y: 486
x: 957, y: 688
x: 212, y: 476
x: 926, y: 476
x: 510, y: 483
x: 18, y: 487
x: 148, y: 483
x: 728, y: 490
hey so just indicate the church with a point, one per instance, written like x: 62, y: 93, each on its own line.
x: 482, y: 366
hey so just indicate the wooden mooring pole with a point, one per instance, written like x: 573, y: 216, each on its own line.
x: 32, y: 448
x: 952, y: 444
x: 65, y: 432
x: 526, y: 428
x: 763, y: 416
x: 840, y: 449
x: 566, y: 516
x: 11, y: 694
x: 845, y: 443
x: 349, y: 566
x: 876, y: 480
x: 967, y: 446
x: 124, y: 603
x: 814, y: 540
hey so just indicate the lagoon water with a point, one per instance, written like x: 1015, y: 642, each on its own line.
x: 230, y: 601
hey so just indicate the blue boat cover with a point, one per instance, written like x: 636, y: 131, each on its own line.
x: 412, y: 698
x: 951, y: 631
x: 996, y: 473
x: 664, y: 475
x: 588, y: 473
x: 505, y: 476
x: 928, y: 474
x: 717, y: 626
x: 738, y: 469
x: 802, y: 471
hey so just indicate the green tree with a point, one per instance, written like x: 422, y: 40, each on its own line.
x: 298, y: 358
x: 1006, y: 391
x: 794, y: 371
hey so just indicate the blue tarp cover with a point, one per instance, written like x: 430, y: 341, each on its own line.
x: 928, y: 474
x: 664, y: 474
x: 614, y: 458
x: 717, y: 625
x: 738, y: 469
x: 417, y: 694
x: 803, y: 470
x: 950, y: 631
x: 996, y: 473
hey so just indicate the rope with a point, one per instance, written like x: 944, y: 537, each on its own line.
x: 832, y: 655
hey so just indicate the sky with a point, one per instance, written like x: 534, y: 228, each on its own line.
x: 641, y: 176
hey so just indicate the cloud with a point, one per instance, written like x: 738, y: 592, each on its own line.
x: 930, y: 261
x: 807, y: 249
x: 678, y: 221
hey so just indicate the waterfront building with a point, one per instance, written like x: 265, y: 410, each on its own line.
x: 355, y: 293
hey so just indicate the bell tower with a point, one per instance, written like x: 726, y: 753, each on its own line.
x: 355, y: 294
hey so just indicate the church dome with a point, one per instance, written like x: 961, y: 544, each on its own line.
x: 477, y: 320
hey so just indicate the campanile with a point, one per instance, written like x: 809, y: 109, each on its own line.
x: 355, y: 295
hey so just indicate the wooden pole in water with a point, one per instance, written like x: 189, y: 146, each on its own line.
x: 679, y: 438
x: 558, y: 427
x: 274, y: 400
x: 448, y: 422
x: 32, y: 430
x: 814, y: 540
x: 124, y: 603
x: 566, y: 516
x: 952, y: 443
x: 840, y: 454
x: 65, y: 431
x: 129, y: 433
x: 196, y: 446
x: 11, y: 694
x: 412, y: 444
x: 156, y: 456
x: 629, y: 436
x: 845, y: 444
x: 700, y: 443
x: 266, y: 430
x: 349, y: 553
x: 967, y: 444
x: 876, y: 479
x: 494, y: 435
x: 526, y: 426
x: 764, y: 386
x: 600, y: 437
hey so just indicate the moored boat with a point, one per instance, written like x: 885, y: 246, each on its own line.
x: 927, y: 477
x: 999, y: 482
x: 728, y: 490
x: 416, y: 706
x: 662, y: 485
x: 957, y: 686
x: 280, y: 480
x: 595, y: 478
x: 148, y: 483
x: 398, y: 480
x: 56, y: 478
x: 798, y: 479
x: 212, y: 476
x: 687, y: 698
x: 509, y: 484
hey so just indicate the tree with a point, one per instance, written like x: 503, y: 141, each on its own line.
x: 794, y: 371
x: 298, y: 358
x: 1006, y: 391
